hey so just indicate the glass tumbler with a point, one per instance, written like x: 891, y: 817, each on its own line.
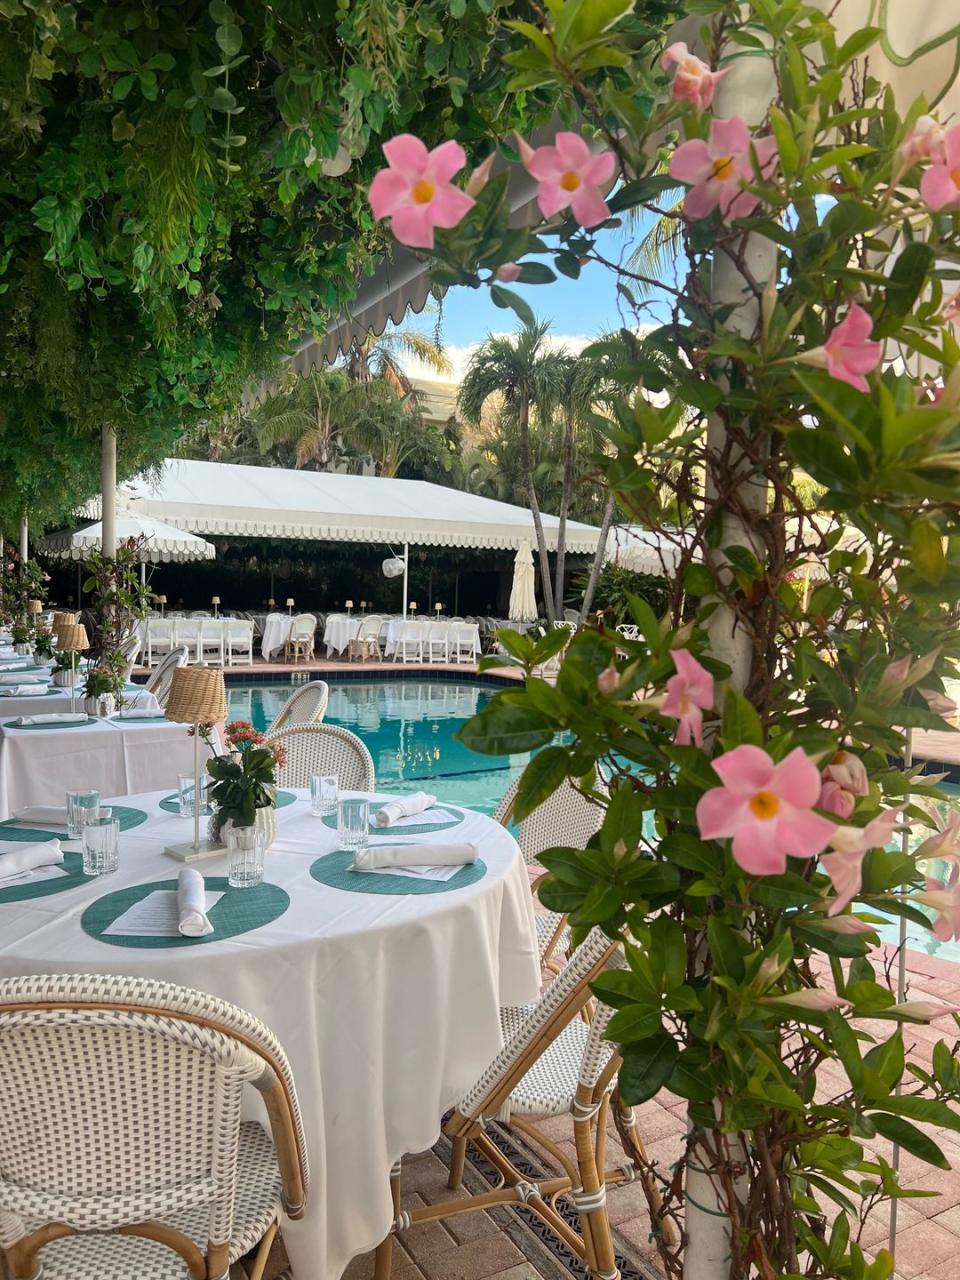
x: 101, y: 844
x: 245, y: 855
x: 81, y: 807
x: 185, y: 794
x: 353, y: 824
x: 323, y: 794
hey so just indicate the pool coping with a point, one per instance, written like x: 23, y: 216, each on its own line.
x: 361, y: 674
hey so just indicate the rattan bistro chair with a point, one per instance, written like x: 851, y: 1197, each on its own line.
x: 159, y: 683
x: 122, y: 1149
x: 306, y: 705
x: 324, y: 748
x: 553, y: 1063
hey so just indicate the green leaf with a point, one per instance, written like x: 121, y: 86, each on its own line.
x: 505, y: 728
x: 508, y: 300
x: 541, y: 778
x: 647, y: 1067
x: 726, y: 949
x: 230, y: 39
x: 598, y: 16
x: 741, y: 724
x: 910, y: 1138
x: 926, y: 551
x: 698, y: 580
x: 634, y: 1023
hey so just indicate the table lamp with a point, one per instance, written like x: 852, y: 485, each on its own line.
x: 290, y: 605
x: 412, y: 606
x: 72, y: 638
x: 34, y: 607
x: 271, y: 603
x: 215, y: 601
x: 162, y: 602
x: 349, y: 604
x: 438, y: 606
x: 198, y: 697
x: 62, y: 618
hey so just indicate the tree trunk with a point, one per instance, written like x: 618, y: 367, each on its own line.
x: 598, y: 557
x: 108, y: 491
x: 565, y: 493
x: 546, y: 587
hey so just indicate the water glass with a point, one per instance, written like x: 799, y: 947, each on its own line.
x: 353, y: 824
x: 81, y: 807
x: 245, y: 855
x: 323, y: 794
x: 101, y: 844
x: 186, y: 787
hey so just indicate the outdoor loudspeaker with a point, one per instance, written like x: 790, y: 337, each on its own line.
x: 393, y: 567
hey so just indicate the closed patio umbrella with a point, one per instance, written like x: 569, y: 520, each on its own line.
x: 523, y: 600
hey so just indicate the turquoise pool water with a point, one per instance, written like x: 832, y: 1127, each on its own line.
x: 408, y: 727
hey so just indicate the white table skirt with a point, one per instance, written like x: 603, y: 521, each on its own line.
x: 338, y: 633
x: 469, y: 630
x: 387, y: 1006
x: 276, y: 628
x: 37, y: 766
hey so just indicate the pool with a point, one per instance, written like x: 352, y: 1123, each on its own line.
x: 408, y: 727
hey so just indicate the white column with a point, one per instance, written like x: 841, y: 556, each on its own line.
x: 24, y: 537
x: 108, y: 489
x: 406, y: 566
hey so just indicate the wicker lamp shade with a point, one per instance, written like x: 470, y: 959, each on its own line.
x: 34, y: 606
x: 214, y: 599
x: 72, y: 638
x: 62, y: 619
x: 197, y: 696
x: 161, y: 599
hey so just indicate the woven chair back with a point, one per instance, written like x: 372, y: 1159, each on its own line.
x: 306, y: 705
x: 565, y: 819
x: 324, y: 748
x: 159, y: 682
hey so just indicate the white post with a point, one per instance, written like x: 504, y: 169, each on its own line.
x: 406, y: 566
x: 108, y: 490
x: 24, y: 537
x: 746, y: 91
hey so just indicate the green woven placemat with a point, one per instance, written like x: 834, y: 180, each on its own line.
x: 9, y: 830
x: 72, y: 864
x: 420, y: 829
x: 80, y: 724
x: 336, y: 870
x: 238, y: 911
x: 172, y: 804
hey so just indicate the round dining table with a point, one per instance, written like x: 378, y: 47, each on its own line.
x: 384, y: 989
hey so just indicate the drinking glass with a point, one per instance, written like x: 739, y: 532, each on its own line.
x: 81, y: 807
x: 353, y: 824
x: 101, y: 844
x: 186, y: 786
x: 323, y: 794
x: 245, y: 858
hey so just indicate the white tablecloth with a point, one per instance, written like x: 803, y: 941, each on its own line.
x: 386, y: 1006
x: 58, y: 701
x: 38, y: 766
x: 276, y: 628
x: 469, y: 630
x: 338, y: 633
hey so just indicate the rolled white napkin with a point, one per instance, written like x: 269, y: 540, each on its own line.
x: 404, y: 807
x: 19, y: 690
x: 26, y: 677
x: 377, y: 856
x: 42, y: 815
x: 54, y: 717
x: 16, y: 665
x: 192, y: 904
x: 23, y: 856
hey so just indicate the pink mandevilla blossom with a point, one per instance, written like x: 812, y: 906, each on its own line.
x: 848, y: 926
x: 848, y: 354
x: 925, y: 141
x: 694, y: 81
x: 850, y: 846
x: 416, y: 193
x: 717, y: 169
x: 767, y: 808
x: 944, y: 897
x: 940, y: 184
x: 944, y: 843
x: 689, y: 694
x: 570, y: 176
x: 813, y: 999
x: 507, y: 272
x: 844, y: 779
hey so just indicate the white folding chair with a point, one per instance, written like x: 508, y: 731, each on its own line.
x: 324, y: 748
x: 462, y: 643
x: 161, y: 680
x: 212, y: 637
x: 159, y: 638
x: 122, y: 1146
x: 409, y: 643
x: 239, y: 640
x: 438, y: 642
x: 306, y: 705
x: 186, y: 632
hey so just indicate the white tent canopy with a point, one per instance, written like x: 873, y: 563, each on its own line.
x: 270, y: 502
x: 158, y: 543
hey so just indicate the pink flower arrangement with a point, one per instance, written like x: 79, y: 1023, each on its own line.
x: 940, y: 184
x: 694, y: 82
x: 925, y: 141
x: 717, y: 169
x: 850, y: 846
x: 844, y: 779
x: 944, y: 897
x: 570, y: 176
x: 416, y: 193
x: 848, y: 354
x: 689, y: 694
x: 241, y: 736
x: 767, y: 809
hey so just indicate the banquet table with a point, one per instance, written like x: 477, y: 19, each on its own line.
x: 55, y: 698
x: 39, y: 765
x: 276, y: 628
x: 338, y: 632
x: 386, y: 1000
x: 468, y: 629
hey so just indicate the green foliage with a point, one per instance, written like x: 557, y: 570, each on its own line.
x: 617, y: 585
x: 119, y: 601
x: 242, y: 786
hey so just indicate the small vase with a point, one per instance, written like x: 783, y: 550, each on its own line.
x: 63, y: 679
x: 23, y: 650
x: 102, y: 705
x: 225, y: 831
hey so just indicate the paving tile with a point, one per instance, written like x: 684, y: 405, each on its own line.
x: 922, y: 1247
x: 474, y: 1261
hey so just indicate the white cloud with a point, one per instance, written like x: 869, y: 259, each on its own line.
x: 459, y: 356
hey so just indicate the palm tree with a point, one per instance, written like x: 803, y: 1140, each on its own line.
x: 381, y: 357
x: 529, y: 377
x: 310, y: 416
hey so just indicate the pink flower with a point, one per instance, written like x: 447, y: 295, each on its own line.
x: 767, y: 808
x: 508, y: 272
x: 689, y: 694
x: 848, y: 926
x: 895, y: 675
x: 848, y: 353
x: 940, y: 184
x: 938, y: 702
x: 918, y: 1010
x: 836, y: 800
x: 810, y: 998
x: 481, y: 175
x: 850, y: 846
x: 951, y: 313
x: 944, y: 898
x: 415, y: 192
x: 925, y: 141
x: 944, y: 843
x: 844, y: 779
x: 716, y: 170
x: 570, y: 176
x: 694, y: 81
x: 608, y: 681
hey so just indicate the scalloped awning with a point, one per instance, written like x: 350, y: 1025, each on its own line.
x: 271, y: 502
x: 163, y: 543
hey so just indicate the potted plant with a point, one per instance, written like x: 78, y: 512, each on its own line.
x: 22, y: 632
x: 63, y: 669
x: 100, y: 692
x: 244, y: 791
x: 43, y: 647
